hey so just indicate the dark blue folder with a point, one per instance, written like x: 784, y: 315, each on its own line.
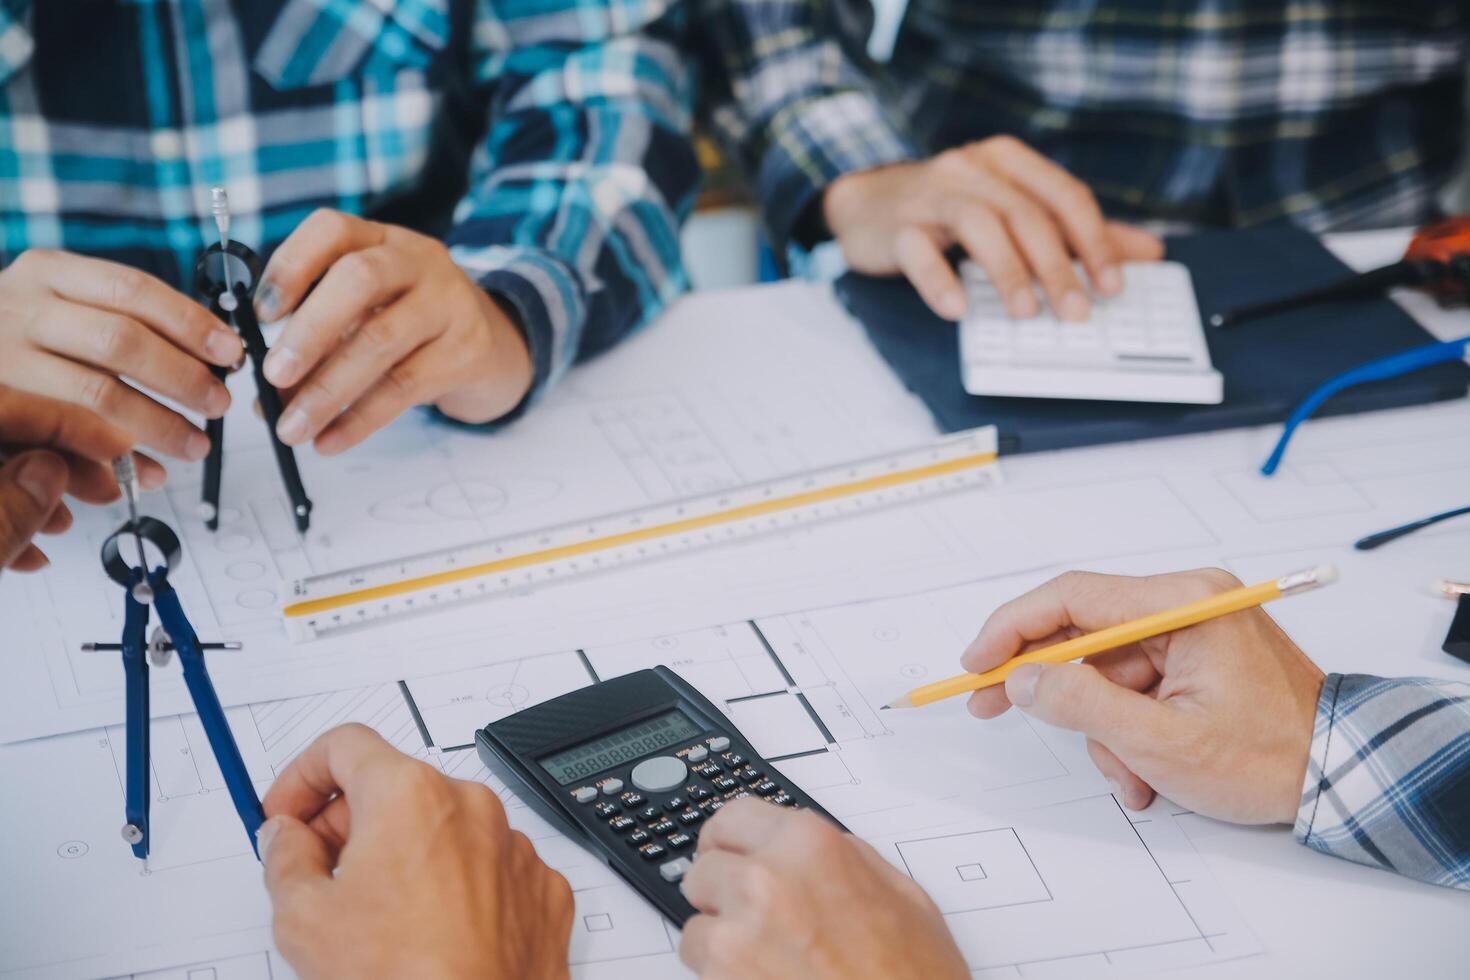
x: 1268, y: 365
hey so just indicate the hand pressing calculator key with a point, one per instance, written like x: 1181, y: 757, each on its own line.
x: 1145, y: 345
x: 630, y: 768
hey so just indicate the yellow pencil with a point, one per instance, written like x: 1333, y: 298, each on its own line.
x: 1122, y: 634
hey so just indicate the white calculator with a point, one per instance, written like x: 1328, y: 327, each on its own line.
x: 1145, y: 345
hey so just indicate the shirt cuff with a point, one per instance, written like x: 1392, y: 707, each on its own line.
x: 1388, y: 776
x: 549, y: 301
x: 812, y: 144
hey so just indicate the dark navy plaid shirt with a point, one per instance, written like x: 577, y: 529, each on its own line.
x: 1332, y: 114
x: 544, y: 140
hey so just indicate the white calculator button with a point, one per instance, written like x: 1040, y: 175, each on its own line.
x: 719, y: 743
x: 697, y: 754
x: 612, y: 787
x: 658, y: 774
x: 584, y: 794
x: 672, y: 871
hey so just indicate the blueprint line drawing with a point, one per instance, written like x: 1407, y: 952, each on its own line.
x: 993, y: 834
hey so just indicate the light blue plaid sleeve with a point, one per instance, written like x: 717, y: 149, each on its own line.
x: 1388, y: 780
x: 586, y: 171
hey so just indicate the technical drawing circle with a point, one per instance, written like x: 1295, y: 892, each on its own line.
x: 244, y: 571
x: 886, y: 634
x: 508, y: 695
x: 913, y: 671
x: 465, y: 500
x: 233, y: 543
x: 256, y: 599
x: 72, y: 849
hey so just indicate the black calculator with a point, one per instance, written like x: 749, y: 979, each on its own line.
x: 630, y: 768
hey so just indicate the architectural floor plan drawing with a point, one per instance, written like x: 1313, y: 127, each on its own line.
x: 993, y: 819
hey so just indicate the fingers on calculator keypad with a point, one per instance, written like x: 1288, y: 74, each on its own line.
x: 656, y: 824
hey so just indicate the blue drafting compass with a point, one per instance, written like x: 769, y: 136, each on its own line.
x: 175, y: 635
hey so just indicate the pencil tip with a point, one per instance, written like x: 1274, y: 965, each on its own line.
x: 885, y: 707
x: 903, y: 702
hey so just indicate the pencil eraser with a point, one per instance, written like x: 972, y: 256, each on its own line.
x: 1325, y: 573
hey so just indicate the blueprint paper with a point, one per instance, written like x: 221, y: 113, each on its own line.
x: 1159, y: 505
x: 996, y: 831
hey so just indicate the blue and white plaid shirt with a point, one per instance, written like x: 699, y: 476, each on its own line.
x: 1331, y: 114
x: 544, y: 140
x: 1388, y: 781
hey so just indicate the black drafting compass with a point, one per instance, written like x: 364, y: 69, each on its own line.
x: 225, y: 277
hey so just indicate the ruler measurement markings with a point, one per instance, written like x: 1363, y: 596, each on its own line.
x: 388, y: 589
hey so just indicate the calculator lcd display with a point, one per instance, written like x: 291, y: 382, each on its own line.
x: 624, y: 745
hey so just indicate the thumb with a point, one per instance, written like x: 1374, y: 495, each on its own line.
x: 1077, y: 697
x: 295, y: 858
x: 31, y: 485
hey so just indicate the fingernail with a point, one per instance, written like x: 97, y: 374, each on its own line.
x: 1110, y: 280
x: 1117, y: 789
x: 197, y: 447
x: 223, y: 347
x: 1133, y: 799
x: 267, y: 298
x: 265, y: 835
x: 1022, y: 304
x: 293, y: 427
x: 42, y: 478
x: 1021, y: 685
x: 217, y: 402
x: 952, y: 304
x: 281, y: 365
x: 152, y: 478
x: 1074, y: 306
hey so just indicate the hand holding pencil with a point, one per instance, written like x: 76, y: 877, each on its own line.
x: 1217, y: 715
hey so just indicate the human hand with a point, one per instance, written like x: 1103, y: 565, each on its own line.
x: 1016, y: 213
x: 72, y: 327
x: 787, y: 894
x: 1217, y: 717
x: 74, y: 450
x: 393, y: 323
x: 429, y: 880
